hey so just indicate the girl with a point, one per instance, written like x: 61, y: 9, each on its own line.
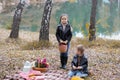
x: 64, y: 35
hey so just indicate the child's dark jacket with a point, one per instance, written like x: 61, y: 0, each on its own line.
x: 83, y: 63
x: 63, y: 35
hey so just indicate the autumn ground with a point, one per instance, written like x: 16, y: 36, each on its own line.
x: 103, y: 55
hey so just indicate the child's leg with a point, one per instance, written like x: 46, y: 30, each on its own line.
x: 65, y: 58
x: 67, y: 52
x: 81, y: 74
x: 71, y: 73
x: 61, y: 60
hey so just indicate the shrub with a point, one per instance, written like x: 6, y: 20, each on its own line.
x: 8, y: 26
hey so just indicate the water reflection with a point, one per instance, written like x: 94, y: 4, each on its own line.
x: 113, y: 36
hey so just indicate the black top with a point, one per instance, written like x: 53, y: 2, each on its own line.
x: 80, y: 61
x: 64, y: 34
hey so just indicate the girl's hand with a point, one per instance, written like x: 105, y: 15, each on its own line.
x: 79, y: 67
x: 74, y: 67
x: 61, y: 41
x: 66, y: 42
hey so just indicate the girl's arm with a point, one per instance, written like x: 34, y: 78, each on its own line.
x: 58, y: 34
x: 73, y: 65
x: 70, y: 35
x: 84, y: 65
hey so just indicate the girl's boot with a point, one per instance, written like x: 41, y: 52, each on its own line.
x: 62, y: 63
x: 65, y: 62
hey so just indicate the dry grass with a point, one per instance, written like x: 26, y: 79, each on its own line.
x: 97, y: 43
x: 36, y: 45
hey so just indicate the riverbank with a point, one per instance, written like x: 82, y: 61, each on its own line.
x: 103, y: 56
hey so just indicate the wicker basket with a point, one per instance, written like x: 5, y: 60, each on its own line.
x: 62, y: 47
x: 40, y: 69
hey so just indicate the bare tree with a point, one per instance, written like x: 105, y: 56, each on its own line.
x: 44, y: 31
x: 92, y: 28
x: 17, y: 19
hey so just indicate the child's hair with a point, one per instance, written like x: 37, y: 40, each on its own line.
x: 62, y: 16
x: 80, y: 48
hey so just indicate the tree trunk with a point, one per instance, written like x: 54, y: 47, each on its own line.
x: 16, y: 21
x: 44, y: 31
x: 92, y: 28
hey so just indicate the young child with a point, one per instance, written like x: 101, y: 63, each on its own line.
x: 64, y: 35
x: 79, y: 64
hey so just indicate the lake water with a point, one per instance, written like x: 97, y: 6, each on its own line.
x: 113, y: 36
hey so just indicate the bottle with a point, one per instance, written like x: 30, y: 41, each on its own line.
x: 27, y: 66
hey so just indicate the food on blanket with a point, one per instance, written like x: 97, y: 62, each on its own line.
x: 76, y: 78
x: 31, y: 75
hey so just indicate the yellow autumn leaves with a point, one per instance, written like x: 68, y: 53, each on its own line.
x: 72, y: 1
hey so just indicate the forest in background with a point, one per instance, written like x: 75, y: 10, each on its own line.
x: 107, y: 18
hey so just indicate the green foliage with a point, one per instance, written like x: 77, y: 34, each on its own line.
x: 8, y: 26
